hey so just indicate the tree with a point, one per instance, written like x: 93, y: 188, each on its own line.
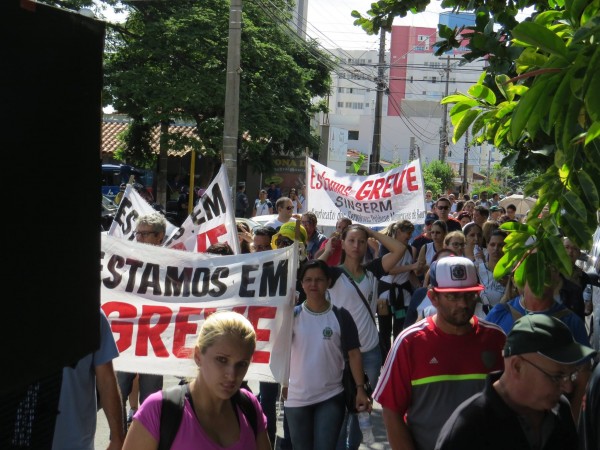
x: 169, y: 62
x: 438, y: 177
x: 539, y: 103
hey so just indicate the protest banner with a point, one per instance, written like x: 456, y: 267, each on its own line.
x: 373, y: 200
x: 211, y: 221
x: 131, y: 207
x: 156, y: 300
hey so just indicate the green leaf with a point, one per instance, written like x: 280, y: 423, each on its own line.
x: 518, y: 227
x: 463, y: 125
x: 459, y: 98
x: 539, y: 36
x: 561, y: 98
x: 548, y: 17
x: 519, y: 274
x: 555, y: 251
x: 483, y: 92
x: 588, y: 188
x: 592, y: 93
x: 526, y: 108
x: 508, y: 262
x: 573, y: 205
x: 530, y: 59
x: 576, y: 9
x: 503, y: 83
x: 592, y: 133
x: 458, y: 110
x: 535, y: 272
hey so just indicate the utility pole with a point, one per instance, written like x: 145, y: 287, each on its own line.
x: 465, y: 183
x: 376, y: 148
x: 444, y: 129
x: 232, y: 95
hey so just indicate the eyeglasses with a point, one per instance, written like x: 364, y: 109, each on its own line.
x: 284, y: 242
x: 557, y: 379
x: 456, y: 296
x: 443, y: 208
x: 144, y: 234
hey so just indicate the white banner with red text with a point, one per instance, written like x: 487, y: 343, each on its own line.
x: 211, y: 221
x: 131, y: 207
x: 156, y: 300
x: 373, y: 200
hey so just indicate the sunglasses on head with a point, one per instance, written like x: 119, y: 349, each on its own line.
x: 284, y: 242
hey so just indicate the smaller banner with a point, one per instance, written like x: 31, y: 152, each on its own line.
x: 373, y: 200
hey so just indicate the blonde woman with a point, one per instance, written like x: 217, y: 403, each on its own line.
x: 211, y: 419
x: 455, y: 241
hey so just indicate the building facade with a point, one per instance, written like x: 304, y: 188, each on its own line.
x: 413, y: 121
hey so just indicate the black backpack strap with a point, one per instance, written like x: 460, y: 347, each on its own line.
x: 243, y: 401
x: 173, y: 402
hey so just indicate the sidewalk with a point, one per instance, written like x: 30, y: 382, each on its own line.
x: 380, y: 443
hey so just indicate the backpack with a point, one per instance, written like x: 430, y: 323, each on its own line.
x: 173, y: 402
x: 516, y: 314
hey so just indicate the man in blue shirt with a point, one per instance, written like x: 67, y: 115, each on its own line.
x: 77, y: 408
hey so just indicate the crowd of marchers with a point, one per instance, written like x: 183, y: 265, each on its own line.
x: 455, y: 357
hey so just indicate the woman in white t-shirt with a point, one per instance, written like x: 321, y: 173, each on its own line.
x: 262, y: 205
x: 321, y: 333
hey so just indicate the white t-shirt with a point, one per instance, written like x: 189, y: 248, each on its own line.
x: 317, y: 361
x: 343, y: 295
x: 399, y: 278
x: 262, y: 209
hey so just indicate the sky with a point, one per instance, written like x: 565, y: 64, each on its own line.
x: 330, y: 22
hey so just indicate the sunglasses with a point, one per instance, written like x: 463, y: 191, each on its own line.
x: 289, y: 208
x: 443, y: 208
x: 284, y: 242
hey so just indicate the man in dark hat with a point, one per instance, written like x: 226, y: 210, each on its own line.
x: 523, y: 406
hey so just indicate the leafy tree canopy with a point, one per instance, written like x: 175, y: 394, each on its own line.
x: 438, y: 177
x: 539, y: 103
x: 169, y: 61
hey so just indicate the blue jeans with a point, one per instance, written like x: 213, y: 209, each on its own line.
x: 316, y: 427
x: 268, y: 393
x: 350, y: 435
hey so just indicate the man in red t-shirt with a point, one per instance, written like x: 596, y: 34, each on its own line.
x: 439, y: 362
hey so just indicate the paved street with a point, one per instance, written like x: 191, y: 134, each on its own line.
x: 378, y: 428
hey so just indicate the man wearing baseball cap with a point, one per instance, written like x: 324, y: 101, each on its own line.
x: 439, y: 362
x: 523, y: 406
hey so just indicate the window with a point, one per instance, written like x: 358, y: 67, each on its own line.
x: 411, y: 78
x: 352, y: 135
x: 423, y: 38
x: 340, y: 104
x: 340, y: 90
x: 434, y: 79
